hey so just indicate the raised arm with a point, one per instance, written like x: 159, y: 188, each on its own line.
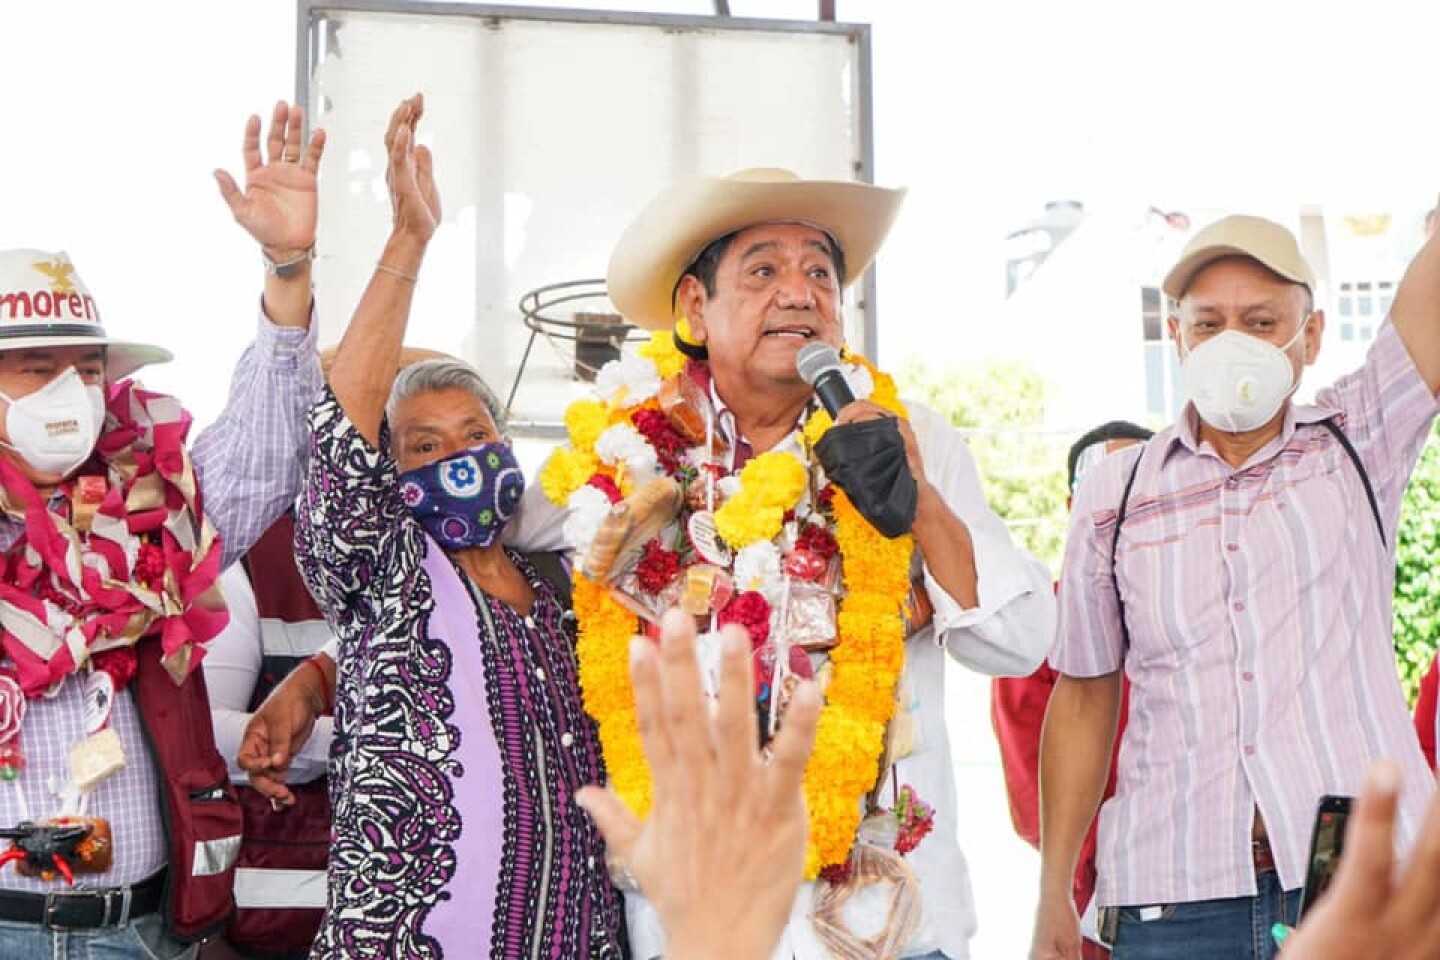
x: 247, y: 458
x: 369, y: 353
x: 1416, y: 311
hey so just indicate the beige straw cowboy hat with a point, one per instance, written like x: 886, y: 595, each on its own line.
x: 674, y: 227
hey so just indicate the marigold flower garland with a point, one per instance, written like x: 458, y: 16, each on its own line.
x: 866, y: 660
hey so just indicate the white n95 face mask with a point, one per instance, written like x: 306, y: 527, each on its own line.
x: 55, y: 428
x: 1238, y: 382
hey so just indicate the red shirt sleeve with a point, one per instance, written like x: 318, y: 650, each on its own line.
x: 1017, y: 710
x: 1425, y: 711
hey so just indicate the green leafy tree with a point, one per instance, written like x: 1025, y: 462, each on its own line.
x: 1001, y: 409
x: 1417, y: 582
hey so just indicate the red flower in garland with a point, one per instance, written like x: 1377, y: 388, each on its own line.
x: 668, y: 443
x: 826, y: 498
x: 120, y: 664
x: 817, y: 541
x: 657, y: 568
x: 914, y: 817
x: 150, y: 565
x: 607, y: 486
x: 752, y: 611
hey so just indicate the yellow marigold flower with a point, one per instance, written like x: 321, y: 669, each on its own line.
x: 815, y: 427
x: 740, y: 521
x: 585, y: 420
x: 779, y: 478
x: 683, y: 331
x: 660, y: 349
x: 770, y: 484
x: 565, y: 472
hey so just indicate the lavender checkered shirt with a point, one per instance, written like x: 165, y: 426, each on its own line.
x: 248, y: 464
x: 1258, y: 602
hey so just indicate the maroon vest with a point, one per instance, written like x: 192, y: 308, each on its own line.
x: 201, y: 812
x: 298, y: 838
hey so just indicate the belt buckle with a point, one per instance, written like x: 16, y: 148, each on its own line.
x: 54, y: 898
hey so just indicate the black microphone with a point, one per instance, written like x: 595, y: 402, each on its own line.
x: 818, y: 364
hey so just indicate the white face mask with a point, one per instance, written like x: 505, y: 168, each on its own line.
x: 1238, y: 382
x: 55, y: 428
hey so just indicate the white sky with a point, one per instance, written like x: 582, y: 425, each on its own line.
x: 114, y: 118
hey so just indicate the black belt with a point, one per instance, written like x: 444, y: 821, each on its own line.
x: 84, y: 909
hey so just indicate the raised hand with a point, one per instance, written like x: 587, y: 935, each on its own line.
x: 414, y: 201
x: 279, y: 205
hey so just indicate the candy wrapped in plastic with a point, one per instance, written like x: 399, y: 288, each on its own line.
x: 686, y: 408
x: 879, y: 895
x: 797, y: 667
x: 704, y: 588
x: 649, y: 607
x: 627, y: 527
x: 809, y: 610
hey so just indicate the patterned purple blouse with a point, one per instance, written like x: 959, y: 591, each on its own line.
x: 459, y: 739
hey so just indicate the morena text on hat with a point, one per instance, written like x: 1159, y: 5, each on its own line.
x: 60, y: 302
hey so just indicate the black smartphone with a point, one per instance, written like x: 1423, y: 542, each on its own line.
x: 1327, y: 842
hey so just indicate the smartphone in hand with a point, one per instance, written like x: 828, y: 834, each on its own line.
x: 1327, y: 842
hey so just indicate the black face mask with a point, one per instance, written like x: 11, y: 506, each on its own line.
x: 867, y: 461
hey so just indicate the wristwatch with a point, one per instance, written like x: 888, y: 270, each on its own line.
x: 288, y: 268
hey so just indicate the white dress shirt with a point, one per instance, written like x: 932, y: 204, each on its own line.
x: 232, y: 665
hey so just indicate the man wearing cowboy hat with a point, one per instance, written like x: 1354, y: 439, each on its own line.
x: 755, y: 264
x: 1239, y: 567
x: 114, y: 530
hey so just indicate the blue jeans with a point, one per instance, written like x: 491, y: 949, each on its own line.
x: 140, y: 939
x: 1234, y: 929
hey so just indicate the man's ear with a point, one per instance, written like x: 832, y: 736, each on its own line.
x: 690, y: 302
x: 1313, y: 332
x: 1172, y: 323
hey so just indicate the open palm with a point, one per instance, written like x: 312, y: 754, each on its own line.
x: 280, y: 203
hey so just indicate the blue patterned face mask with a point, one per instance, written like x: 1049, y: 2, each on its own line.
x: 465, y: 500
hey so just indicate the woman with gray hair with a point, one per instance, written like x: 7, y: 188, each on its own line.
x: 460, y: 739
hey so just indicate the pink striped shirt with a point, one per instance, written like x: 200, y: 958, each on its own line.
x: 1258, y: 602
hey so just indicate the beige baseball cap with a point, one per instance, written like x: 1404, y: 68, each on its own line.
x: 1264, y: 241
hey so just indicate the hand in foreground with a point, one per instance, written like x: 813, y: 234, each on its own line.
x: 723, y: 851
x: 279, y: 205
x: 277, y: 731
x: 1372, y: 911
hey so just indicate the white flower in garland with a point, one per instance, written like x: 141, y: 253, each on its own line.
x: 623, y: 445
x: 861, y: 383
x: 757, y: 567
x: 587, y: 508
x: 727, y: 486
x: 628, y: 381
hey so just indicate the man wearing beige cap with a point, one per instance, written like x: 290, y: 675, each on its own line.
x: 1239, y: 568
x: 748, y: 272
x: 120, y: 825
